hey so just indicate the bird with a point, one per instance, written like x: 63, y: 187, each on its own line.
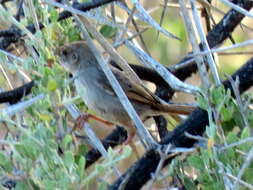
x: 94, y: 88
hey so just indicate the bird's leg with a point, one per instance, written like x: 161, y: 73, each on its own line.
x: 107, y: 123
x: 85, y: 118
x: 130, y: 135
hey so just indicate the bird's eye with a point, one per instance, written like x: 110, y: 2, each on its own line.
x: 64, y: 52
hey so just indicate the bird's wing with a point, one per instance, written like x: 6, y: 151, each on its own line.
x: 133, y: 91
x: 139, y: 94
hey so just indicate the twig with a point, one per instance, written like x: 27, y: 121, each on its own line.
x: 235, y: 85
x: 217, y: 50
x: 191, y: 35
x: 159, y: 166
x: 236, y: 53
x: 13, y: 109
x: 217, y: 35
x: 172, y: 81
x: 250, y: 139
x: 124, y: 30
x: 119, y: 43
x: 247, y: 185
x: 94, y: 140
x: 12, y: 56
x: 162, y: 16
x: 237, y: 8
x: 34, y: 15
x: 243, y: 168
x: 228, y: 185
x: 144, y: 16
x: 6, y: 76
x: 204, y: 43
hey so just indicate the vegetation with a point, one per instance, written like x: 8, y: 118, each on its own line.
x: 210, y: 149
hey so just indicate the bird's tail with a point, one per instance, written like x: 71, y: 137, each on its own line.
x: 176, y: 109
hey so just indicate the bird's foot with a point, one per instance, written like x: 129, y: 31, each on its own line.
x: 83, y: 118
x: 129, y: 141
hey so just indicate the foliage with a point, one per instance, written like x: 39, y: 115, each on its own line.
x: 38, y: 154
x: 216, y: 159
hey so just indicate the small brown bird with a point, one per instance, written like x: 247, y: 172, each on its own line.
x: 96, y: 91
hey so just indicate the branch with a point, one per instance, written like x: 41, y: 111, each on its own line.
x: 216, y: 36
x: 118, y: 136
x: 15, y: 95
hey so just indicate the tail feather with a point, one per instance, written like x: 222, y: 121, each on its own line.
x: 176, y: 109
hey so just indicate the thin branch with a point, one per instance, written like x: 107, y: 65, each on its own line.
x: 144, y: 16
x: 241, y: 182
x: 196, y: 49
x: 245, y: 165
x: 162, y: 16
x: 235, y: 84
x: 21, y: 106
x: 204, y: 43
x: 172, y: 81
x: 250, y: 139
x: 94, y: 140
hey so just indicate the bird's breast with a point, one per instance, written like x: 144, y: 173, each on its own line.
x: 105, y: 105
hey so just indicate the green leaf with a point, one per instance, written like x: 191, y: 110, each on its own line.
x: 202, y: 102
x: 231, y: 137
x: 28, y: 149
x: 226, y: 114
x: 21, y: 186
x: 52, y: 85
x: 108, y: 31
x: 21, y: 149
x: 211, y: 130
x: 66, y: 141
x: 103, y: 186
x: 45, y: 117
x: 81, y: 167
x: 63, y: 181
x: 189, y: 184
x: 54, y: 15
x: 50, y: 184
x: 5, y: 162
x: 68, y: 159
x: 100, y: 168
x: 218, y: 94
x: 245, y: 133
x: 82, y: 149
x: 196, y: 162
